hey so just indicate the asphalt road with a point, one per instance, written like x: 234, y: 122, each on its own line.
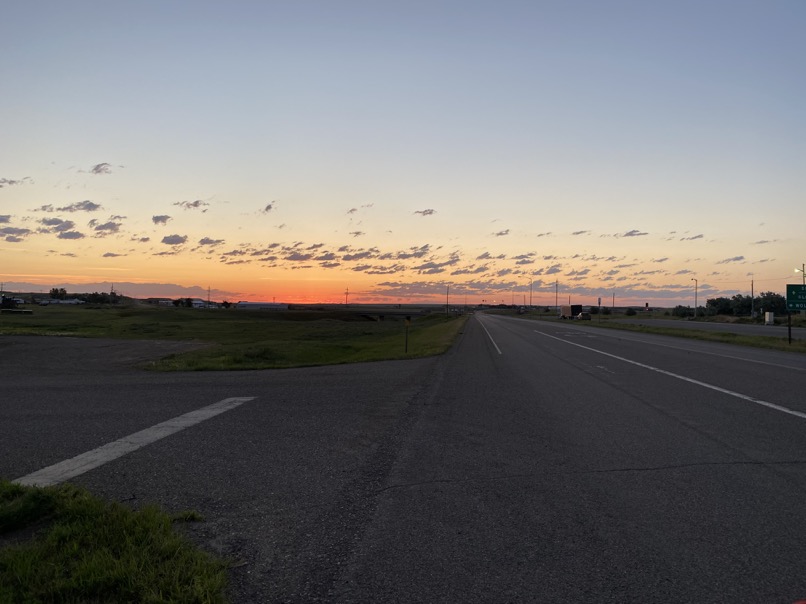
x: 535, y: 462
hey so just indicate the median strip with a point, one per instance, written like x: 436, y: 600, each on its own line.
x: 85, y: 462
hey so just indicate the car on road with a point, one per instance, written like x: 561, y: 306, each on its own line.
x: 583, y: 316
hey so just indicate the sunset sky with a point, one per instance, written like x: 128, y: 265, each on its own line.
x: 292, y: 150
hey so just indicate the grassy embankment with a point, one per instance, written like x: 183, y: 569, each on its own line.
x: 643, y: 324
x: 243, y: 339
x: 87, y: 550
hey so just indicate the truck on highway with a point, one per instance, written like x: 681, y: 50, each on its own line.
x: 570, y: 311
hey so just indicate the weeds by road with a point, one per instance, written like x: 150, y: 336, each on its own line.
x: 60, y: 544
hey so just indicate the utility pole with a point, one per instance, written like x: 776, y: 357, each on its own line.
x: 447, y: 301
x: 346, y: 294
x: 556, y: 296
x: 530, y: 293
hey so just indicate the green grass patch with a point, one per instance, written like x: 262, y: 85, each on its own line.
x: 614, y: 322
x: 769, y: 342
x: 249, y: 339
x: 281, y: 344
x: 60, y: 544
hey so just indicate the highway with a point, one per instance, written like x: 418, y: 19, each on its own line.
x: 535, y: 462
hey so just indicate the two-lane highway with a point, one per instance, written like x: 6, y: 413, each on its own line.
x: 535, y: 462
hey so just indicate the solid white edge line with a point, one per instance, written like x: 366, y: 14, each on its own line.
x: 489, y: 336
x: 631, y: 338
x: 70, y: 468
x: 739, y: 395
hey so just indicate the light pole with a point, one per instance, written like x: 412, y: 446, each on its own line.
x: 802, y: 271
x: 696, y: 286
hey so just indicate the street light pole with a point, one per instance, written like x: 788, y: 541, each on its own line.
x: 802, y: 271
x: 696, y: 287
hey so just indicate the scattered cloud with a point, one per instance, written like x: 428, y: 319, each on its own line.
x: 210, y: 242
x: 5, y: 218
x: 13, y: 234
x: 730, y: 260
x: 71, y: 235
x: 634, y: 233
x: 428, y: 212
x: 160, y: 219
x: 174, y: 239
x: 472, y: 270
x: 106, y: 228
x: 580, y: 232
x: 503, y: 233
x: 56, y: 225
x: 692, y: 238
x: 299, y: 257
x: 80, y: 206
x: 362, y: 255
x: 112, y: 255
x: 192, y: 205
x: 268, y: 207
x: 352, y: 210
x: 357, y: 233
x: 10, y: 182
x: 659, y: 260
x: 103, y: 168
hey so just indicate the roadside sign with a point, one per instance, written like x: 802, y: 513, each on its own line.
x: 795, y: 297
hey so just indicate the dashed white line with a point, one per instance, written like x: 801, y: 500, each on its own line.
x: 85, y: 462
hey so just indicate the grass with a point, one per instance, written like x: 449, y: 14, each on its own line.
x: 85, y: 550
x: 613, y: 322
x: 243, y: 339
x: 768, y: 342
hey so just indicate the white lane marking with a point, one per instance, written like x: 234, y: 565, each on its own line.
x: 745, y: 397
x: 70, y: 468
x: 489, y: 336
x: 699, y: 351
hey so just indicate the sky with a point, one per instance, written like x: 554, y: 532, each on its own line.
x: 401, y: 152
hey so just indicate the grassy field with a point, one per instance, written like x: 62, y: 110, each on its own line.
x: 249, y: 339
x: 622, y: 322
x: 769, y: 342
x: 85, y: 550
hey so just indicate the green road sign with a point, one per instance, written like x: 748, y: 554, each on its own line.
x: 795, y: 297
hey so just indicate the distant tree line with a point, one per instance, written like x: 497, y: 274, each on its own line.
x: 59, y: 293
x: 737, y: 306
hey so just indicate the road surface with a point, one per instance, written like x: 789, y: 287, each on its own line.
x: 535, y: 462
